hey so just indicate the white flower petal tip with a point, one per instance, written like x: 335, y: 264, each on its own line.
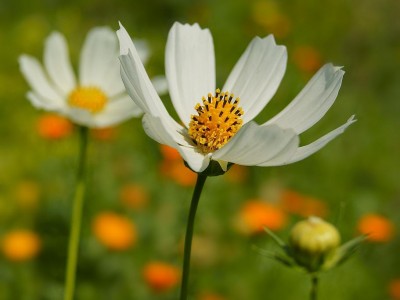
x: 352, y: 120
x: 313, y: 101
x: 337, y: 68
x: 125, y: 41
x: 306, y: 151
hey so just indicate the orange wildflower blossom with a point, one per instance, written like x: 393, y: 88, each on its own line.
x: 114, y: 231
x: 54, y: 127
x: 305, y: 206
x: 378, y: 228
x: 307, y: 59
x: 20, y: 245
x: 256, y: 214
x: 394, y: 289
x: 161, y: 276
x: 134, y: 196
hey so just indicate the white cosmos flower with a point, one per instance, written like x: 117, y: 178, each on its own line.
x: 221, y: 128
x: 97, y: 98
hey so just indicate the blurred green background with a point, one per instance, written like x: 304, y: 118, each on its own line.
x: 354, y: 176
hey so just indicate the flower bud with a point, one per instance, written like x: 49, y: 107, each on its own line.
x: 313, y: 242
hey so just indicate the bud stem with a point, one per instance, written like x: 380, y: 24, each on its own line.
x: 314, y: 287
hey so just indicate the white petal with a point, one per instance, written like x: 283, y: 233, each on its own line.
x: 37, y: 79
x: 306, y: 151
x: 312, y: 102
x: 43, y: 103
x: 257, y: 75
x: 256, y: 145
x: 81, y: 117
x: 160, y: 84
x: 137, y: 82
x: 189, y: 67
x: 162, y: 133
x: 114, y: 85
x: 117, y: 111
x: 125, y: 41
x: 197, y: 161
x: 57, y: 63
x: 155, y: 128
x: 99, y: 61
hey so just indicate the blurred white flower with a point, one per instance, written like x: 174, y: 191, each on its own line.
x: 217, y: 125
x: 97, y: 98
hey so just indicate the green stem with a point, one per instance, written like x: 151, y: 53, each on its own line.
x: 314, y: 287
x: 201, y: 179
x: 76, y: 217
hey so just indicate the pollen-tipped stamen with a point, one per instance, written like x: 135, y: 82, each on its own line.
x: 218, y: 120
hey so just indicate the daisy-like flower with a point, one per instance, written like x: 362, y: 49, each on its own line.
x: 98, y: 98
x: 218, y: 124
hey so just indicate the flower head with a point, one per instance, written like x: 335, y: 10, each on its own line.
x: 218, y: 124
x: 97, y: 98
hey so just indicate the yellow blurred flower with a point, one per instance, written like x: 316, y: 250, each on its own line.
x: 269, y: 16
x: 378, y: 228
x: 160, y: 276
x: 256, y: 214
x: 20, y: 245
x: 114, y: 231
x: 134, y: 196
x: 27, y: 194
x: 54, y: 127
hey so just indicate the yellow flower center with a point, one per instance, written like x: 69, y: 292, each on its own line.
x: 217, y: 121
x: 89, y: 98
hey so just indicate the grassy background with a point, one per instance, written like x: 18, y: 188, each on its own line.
x: 358, y: 171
